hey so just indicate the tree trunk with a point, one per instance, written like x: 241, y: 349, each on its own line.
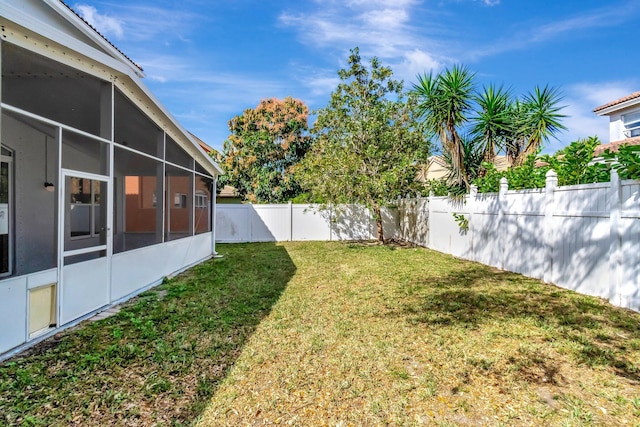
x: 377, y: 214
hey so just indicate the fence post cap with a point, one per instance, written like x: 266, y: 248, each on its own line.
x: 551, y: 174
x: 504, y: 181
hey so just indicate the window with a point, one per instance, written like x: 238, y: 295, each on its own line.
x: 202, y: 200
x: 5, y: 209
x: 631, y: 123
x: 84, y: 199
x: 180, y: 200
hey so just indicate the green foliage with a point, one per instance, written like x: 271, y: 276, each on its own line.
x: 462, y: 222
x: 528, y: 175
x: 265, y: 145
x: 537, y: 119
x: 494, y: 120
x: 440, y: 187
x: 626, y: 161
x: 574, y: 165
x: 368, y: 142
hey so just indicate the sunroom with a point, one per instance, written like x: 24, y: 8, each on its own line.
x: 102, y: 192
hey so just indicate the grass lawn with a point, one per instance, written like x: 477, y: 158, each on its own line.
x: 338, y: 334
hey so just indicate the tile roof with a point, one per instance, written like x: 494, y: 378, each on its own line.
x: 615, y: 145
x: 206, y: 147
x: 629, y: 97
x: 102, y: 36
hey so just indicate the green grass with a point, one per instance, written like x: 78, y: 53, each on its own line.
x: 344, y: 334
x: 157, y: 361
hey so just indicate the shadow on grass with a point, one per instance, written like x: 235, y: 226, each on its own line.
x: 475, y: 294
x: 160, y: 359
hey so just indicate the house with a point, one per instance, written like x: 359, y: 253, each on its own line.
x: 228, y: 195
x: 624, y: 122
x: 437, y: 168
x: 102, y: 192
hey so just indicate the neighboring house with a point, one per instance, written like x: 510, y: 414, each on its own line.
x: 102, y: 192
x: 437, y: 168
x: 624, y: 122
x: 228, y: 195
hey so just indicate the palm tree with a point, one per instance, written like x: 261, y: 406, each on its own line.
x: 493, y: 122
x: 444, y: 101
x: 515, y: 142
x: 541, y: 120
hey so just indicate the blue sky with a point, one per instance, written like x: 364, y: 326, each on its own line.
x: 207, y: 61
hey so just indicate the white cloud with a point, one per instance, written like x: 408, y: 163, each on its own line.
x: 140, y: 22
x: 385, y: 18
x: 417, y: 62
x: 107, y: 25
x: 378, y: 27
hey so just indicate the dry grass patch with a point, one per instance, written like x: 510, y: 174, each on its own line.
x: 370, y: 335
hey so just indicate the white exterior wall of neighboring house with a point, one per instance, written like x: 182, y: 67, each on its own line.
x: 617, y: 129
x: 621, y: 112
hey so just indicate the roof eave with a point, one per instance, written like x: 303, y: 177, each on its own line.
x: 66, y: 12
x: 617, y: 107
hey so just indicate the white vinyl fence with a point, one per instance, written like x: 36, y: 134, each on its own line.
x: 289, y: 222
x: 582, y: 237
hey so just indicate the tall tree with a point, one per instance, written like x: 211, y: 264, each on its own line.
x: 265, y: 145
x: 445, y: 100
x: 541, y: 120
x: 492, y: 122
x: 368, y: 142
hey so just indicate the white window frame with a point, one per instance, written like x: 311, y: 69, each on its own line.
x: 632, y: 127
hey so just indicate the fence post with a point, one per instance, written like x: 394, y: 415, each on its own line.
x: 429, y: 218
x: 330, y: 209
x: 290, y: 211
x: 502, y: 207
x: 471, y: 206
x: 615, y: 240
x: 549, y: 224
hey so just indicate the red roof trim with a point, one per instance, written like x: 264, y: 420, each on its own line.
x: 102, y: 36
x: 615, y: 145
x: 629, y: 97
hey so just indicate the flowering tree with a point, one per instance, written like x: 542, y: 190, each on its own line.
x: 262, y: 151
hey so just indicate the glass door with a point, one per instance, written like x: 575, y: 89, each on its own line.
x: 86, y: 244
